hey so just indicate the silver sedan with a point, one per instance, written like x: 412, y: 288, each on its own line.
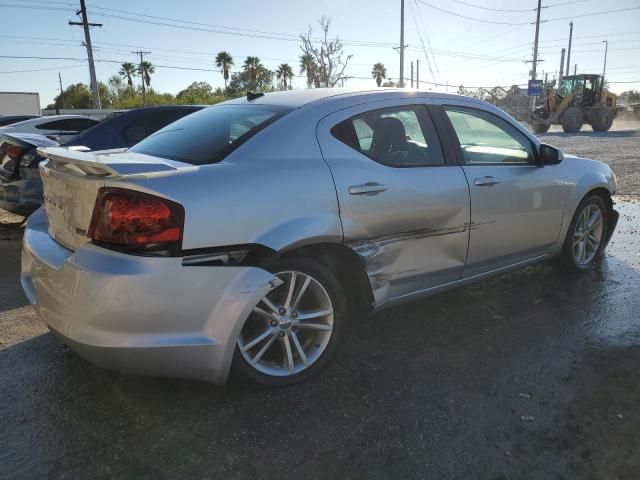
x: 246, y: 236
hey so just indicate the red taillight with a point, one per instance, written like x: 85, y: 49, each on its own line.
x: 135, y: 218
x: 14, y: 152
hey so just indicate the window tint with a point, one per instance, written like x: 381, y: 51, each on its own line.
x: 396, y: 137
x: 485, y: 138
x: 207, y: 136
x: 68, y: 124
x: 151, y: 122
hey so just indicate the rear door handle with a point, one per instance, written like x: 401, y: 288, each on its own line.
x: 486, y: 181
x: 369, y: 188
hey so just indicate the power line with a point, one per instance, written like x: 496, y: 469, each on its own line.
x: 494, y: 9
x: 527, y: 23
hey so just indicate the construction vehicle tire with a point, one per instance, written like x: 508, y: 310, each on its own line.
x: 602, y: 120
x: 572, y: 120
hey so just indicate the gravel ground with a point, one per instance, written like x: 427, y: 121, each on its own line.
x: 619, y: 147
x: 532, y: 375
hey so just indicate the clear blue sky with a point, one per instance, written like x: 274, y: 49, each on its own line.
x: 466, y: 51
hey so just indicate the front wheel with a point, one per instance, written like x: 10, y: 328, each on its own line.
x: 293, y: 332
x: 586, y: 237
x: 572, y: 120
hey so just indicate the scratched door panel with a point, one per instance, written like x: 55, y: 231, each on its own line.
x: 410, y: 226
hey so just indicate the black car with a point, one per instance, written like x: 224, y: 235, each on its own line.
x: 20, y: 184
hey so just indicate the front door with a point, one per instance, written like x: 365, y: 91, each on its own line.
x: 516, y: 205
x: 404, y: 207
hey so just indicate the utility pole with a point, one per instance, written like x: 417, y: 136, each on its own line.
x: 575, y: 69
x: 401, y: 43
x: 87, y: 41
x: 144, y: 90
x: 411, y: 73
x: 569, y: 50
x: 535, y: 51
x: 418, y: 74
x: 61, y: 91
x: 561, y: 70
x: 604, y: 68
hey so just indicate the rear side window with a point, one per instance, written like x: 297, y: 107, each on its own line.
x: 151, y: 122
x: 209, y: 135
x: 396, y: 137
x: 68, y: 124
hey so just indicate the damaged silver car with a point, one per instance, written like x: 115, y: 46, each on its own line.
x: 245, y: 236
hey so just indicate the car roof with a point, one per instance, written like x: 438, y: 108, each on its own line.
x: 300, y: 98
x: 48, y: 118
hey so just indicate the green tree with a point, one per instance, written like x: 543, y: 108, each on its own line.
x: 284, y: 73
x: 252, y: 67
x: 127, y: 72
x: 145, y: 70
x: 632, y: 96
x: 327, y: 56
x: 74, y: 96
x: 241, y: 82
x: 308, y: 67
x: 389, y: 83
x: 199, y: 93
x: 224, y: 61
x: 379, y: 72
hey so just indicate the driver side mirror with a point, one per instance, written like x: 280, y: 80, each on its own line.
x: 550, y: 155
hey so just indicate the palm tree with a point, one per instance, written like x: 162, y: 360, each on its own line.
x: 285, y: 74
x: 252, y: 66
x: 379, y: 72
x: 145, y: 70
x: 224, y: 61
x: 308, y: 66
x: 128, y: 71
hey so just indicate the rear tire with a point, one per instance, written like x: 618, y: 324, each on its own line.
x: 572, y: 120
x: 297, y: 351
x: 602, y: 120
x: 540, y: 127
x: 586, y: 237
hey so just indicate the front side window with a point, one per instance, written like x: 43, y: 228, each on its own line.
x: 487, y: 139
x: 209, y: 135
x: 396, y: 137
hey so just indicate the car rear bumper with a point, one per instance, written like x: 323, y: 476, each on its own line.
x: 142, y: 315
x: 21, y: 196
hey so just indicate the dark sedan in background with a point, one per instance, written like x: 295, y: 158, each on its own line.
x: 20, y: 184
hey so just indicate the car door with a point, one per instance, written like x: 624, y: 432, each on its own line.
x: 516, y: 204
x: 405, y: 209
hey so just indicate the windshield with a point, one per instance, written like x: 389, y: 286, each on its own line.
x: 209, y: 135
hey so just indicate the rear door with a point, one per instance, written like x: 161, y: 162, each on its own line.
x: 516, y: 205
x: 404, y: 206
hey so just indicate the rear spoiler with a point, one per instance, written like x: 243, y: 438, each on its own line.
x: 103, y: 164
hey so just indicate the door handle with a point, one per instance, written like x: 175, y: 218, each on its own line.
x: 369, y: 188
x: 486, y: 181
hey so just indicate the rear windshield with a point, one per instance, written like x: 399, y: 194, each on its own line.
x: 209, y: 135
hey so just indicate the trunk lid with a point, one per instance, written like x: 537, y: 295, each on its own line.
x: 71, y: 180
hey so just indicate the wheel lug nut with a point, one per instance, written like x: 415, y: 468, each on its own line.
x: 294, y: 314
x: 281, y: 334
x: 282, y: 311
x: 274, y: 323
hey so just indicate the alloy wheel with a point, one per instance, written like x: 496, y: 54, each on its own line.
x: 588, y: 235
x: 290, y: 328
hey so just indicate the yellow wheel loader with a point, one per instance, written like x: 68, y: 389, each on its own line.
x: 580, y: 99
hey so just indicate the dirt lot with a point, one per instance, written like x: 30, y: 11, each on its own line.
x: 533, y: 375
x: 619, y: 147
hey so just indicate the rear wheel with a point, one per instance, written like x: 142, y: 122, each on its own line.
x: 587, y: 233
x: 540, y: 127
x: 572, y: 120
x: 602, y: 120
x: 293, y: 332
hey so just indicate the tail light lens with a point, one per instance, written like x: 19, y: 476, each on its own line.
x: 14, y: 152
x: 136, y: 219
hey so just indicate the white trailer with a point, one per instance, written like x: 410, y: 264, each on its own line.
x: 19, y: 103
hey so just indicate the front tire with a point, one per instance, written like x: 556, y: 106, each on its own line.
x: 540, y: 127
x: 572, y: 120
x: 294, y: 331
x: 586, y: 237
